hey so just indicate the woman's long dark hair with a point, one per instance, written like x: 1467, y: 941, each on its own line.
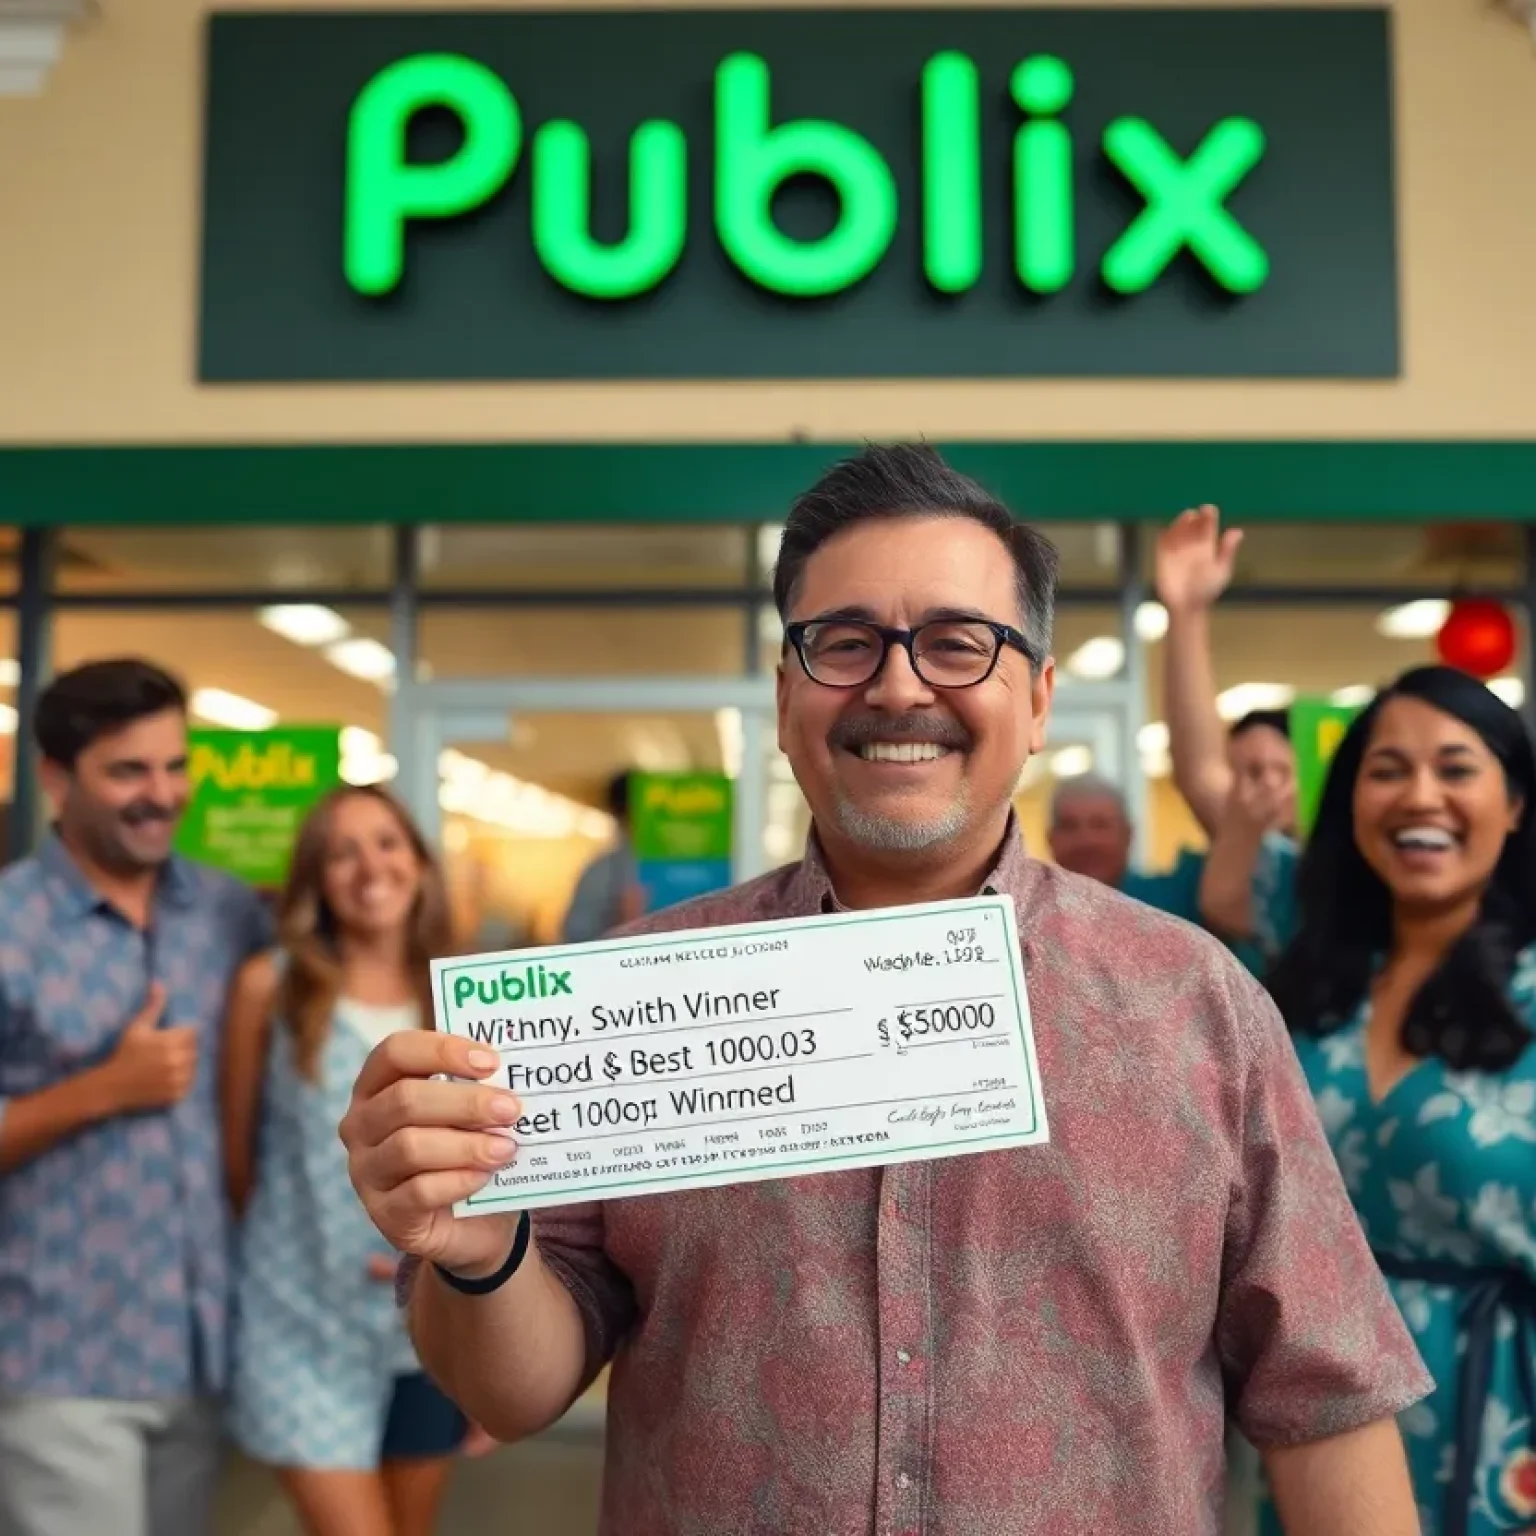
x: 1462, y: 1013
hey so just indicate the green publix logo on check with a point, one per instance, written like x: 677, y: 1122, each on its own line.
x: 1184, y: 198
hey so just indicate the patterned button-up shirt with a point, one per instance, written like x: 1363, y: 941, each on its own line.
x: 1044, y: 1340
x: 113, y: 1243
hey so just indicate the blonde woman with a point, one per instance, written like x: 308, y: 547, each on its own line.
x: 326, y: 1389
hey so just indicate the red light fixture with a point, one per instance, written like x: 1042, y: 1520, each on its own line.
x: 1478, y: 636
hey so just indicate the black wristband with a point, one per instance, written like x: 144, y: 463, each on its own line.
x: 493, y: 1282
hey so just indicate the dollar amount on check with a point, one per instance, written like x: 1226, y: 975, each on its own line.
x: 763, y: 1051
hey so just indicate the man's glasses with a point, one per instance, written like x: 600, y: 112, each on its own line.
x: 945, y: 653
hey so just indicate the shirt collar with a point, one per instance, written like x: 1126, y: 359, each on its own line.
x: 811, y: 889
x: 175, y: 887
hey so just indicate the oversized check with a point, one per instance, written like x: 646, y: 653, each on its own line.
x: 763, y: 1051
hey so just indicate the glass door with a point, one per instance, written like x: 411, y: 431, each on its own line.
x: 510, y: 778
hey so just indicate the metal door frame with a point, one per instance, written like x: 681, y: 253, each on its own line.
x: 1107, y: 716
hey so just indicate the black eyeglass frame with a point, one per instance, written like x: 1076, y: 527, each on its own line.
x: 1002, y: 634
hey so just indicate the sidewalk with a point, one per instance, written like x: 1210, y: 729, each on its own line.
x: 547, y: 1487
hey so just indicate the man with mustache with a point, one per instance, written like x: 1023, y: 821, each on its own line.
x: 1039, y: 1340
x: 114, y: 959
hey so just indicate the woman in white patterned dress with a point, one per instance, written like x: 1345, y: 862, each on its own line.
x: 326, y: 1389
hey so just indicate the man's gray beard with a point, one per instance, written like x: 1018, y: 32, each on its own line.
x: 890, y: 834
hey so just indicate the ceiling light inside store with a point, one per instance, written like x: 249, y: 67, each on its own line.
x: 472, y: 788
x: 363, y: 758
x: 768, y: 537
x: 10, y: 672
x: 8, y: 719
x: 1151, y: 622
x: 1418, y: 620
x: 1247, y: 697
x: 1352, y: 697
x: 219, y: 707
x: 1152, y: 748
x: 1510, y: 689
x: 1072, y: 762
x: 305, y: 623
x: 364, y: 658
x: 1098, y: 658
x: 729, y: 728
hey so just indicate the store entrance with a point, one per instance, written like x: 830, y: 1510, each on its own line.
x: 509, y: 778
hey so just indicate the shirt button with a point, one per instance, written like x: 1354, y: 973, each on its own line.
x: 904, y: 1357
x: 903, y: 1481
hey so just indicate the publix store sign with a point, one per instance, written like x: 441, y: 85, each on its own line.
x: 798, y: 193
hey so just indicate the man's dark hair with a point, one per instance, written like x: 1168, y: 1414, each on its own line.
x: 618, y: 796
x: 1274, y: 719
x: 912, y: 480
x: 83, y: 705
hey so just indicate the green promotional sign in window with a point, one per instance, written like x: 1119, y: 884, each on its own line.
x: 799, y: 193
x: 681, y: 825
x: 1317, y: 728
x: 251, y: 791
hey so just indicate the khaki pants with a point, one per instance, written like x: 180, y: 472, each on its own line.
x: 88, y: 1467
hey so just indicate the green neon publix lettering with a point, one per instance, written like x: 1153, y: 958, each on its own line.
x: 1185, y: 198
x: 1185, y: 205
x: 951, y: 173
x: 385, y: 192
x: 1043, y: 198
x: 562, y: 210
x: 753, y: 160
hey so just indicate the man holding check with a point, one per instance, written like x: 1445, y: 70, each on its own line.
x: 1045, y: 1339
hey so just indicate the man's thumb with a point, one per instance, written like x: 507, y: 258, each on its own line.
x: 148, y: 1017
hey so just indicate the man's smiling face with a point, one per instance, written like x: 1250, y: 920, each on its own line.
x: 897, y: 765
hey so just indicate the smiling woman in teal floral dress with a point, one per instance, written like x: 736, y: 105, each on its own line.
x: 1410, y: 991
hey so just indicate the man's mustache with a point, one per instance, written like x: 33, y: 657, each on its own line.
x: 144, y: 813
x: 854, y: 731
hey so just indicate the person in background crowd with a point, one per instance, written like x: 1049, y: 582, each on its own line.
x: 1044, y: 1339
x: 1090, y: 831
x: 1091, y: 835
x: 1410, y: 992
x: 326, y: 1387
x: 608, y: 893
x: 1240, y: 784
x: 115, y: 957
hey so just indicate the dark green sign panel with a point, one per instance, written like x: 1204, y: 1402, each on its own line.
x: 795, y: 194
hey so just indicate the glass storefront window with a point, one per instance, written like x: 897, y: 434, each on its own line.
x: 628, y: 641
x: 215, y: 559
x: 10, y: 559
x: 1437, y: 556
x: 582, y: 557
x: 239, y: 671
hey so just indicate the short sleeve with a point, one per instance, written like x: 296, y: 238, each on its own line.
x: 571, y: 1244
x: 1273, y: 893
x: 1311, y: 1342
